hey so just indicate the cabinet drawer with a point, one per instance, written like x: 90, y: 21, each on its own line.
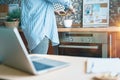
x: 118, y: 35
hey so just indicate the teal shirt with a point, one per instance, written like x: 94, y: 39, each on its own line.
x: 38, y: 20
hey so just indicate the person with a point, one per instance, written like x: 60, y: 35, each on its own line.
x: 38, y: 23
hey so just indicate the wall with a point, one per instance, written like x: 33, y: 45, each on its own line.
x: 114, y: 11
x: 9, y: 1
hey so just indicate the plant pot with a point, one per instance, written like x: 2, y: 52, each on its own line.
x: 12, y: 24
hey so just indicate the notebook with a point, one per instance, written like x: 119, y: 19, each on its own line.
x: 13, y: 53
x: 103, y: 65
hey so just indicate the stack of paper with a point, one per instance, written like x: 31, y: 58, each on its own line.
x: 110, y: 65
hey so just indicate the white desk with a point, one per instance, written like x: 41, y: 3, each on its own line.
x: 76, y: 71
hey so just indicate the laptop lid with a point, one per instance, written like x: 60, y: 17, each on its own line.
x: 12, y: 50
x: 14, y: 53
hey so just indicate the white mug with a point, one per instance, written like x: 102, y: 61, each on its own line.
x: 67, y: 23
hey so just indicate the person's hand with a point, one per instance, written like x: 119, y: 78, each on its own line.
x: 71, y: 10
x: 61, y: 13
x: 56, y: 12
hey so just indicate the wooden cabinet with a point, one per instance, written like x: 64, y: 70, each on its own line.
x: 115, y: 44
x: 24, y: 39
x: 50, y: 49
x: 114, y: 38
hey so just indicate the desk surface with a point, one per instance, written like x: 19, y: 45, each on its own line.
x: 75, y: 71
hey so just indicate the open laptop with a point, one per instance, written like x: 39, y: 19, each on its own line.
x: 14, y: 54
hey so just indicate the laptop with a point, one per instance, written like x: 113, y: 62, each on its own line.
x: 13, y: 53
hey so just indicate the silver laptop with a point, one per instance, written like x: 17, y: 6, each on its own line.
x: 14, y: 54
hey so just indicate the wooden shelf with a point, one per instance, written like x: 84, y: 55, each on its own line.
x: 107, y: 29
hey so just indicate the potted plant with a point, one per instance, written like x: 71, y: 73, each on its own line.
x: 13, y: 18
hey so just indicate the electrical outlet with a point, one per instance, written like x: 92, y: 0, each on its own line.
x: 118, y: 10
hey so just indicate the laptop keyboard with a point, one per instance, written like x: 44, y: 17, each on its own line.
x: 42, y: 63
x: 40, y: 66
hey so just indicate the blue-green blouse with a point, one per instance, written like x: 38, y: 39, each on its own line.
x: 38, y: 20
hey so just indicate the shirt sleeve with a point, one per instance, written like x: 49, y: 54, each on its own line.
x: 66, y: 3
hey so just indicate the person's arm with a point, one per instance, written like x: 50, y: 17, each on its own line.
x: 66, y: 3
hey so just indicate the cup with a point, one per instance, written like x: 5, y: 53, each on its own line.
x: 67, y: 23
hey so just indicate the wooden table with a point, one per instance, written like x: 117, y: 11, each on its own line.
x: 75, y: 71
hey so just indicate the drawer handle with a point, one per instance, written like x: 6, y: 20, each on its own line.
x: 74, y: 46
